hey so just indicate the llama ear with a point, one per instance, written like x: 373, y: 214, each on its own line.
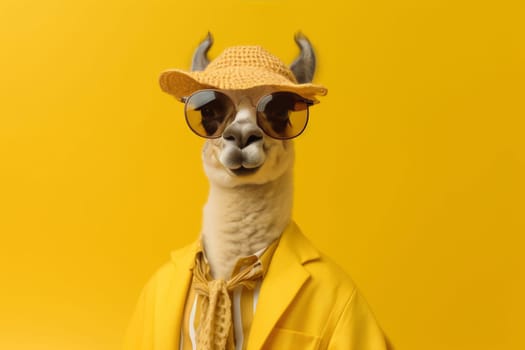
x: 304, y: 66
x: 200, y: 56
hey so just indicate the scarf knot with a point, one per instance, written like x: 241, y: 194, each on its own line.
x: 215, y: 331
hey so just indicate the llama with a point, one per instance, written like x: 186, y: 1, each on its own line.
x: 249, y: 106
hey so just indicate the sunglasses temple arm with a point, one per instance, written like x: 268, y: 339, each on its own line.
x: 310, y: 102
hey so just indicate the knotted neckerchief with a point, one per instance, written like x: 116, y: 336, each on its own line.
x: 215, y: 328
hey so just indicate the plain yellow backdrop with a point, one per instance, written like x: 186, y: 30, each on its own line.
x: 410, y: 174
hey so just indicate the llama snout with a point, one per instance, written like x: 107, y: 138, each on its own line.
x: 250, y: 157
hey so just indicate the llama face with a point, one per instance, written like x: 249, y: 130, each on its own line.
x: 237, y: 150
x: 245, y: 154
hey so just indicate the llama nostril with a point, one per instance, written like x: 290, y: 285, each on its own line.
x: 229, y: 135
x: 251, y: 139
x: 242, y: 134
x: 241, y: 138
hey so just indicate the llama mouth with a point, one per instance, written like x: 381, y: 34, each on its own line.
x: 242, y: 171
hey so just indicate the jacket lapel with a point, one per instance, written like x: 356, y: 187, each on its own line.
x: 286, y: 275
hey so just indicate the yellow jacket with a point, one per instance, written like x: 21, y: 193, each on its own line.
x: 306, y: 302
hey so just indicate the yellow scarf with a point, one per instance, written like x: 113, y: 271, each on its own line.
x: 216, y: 331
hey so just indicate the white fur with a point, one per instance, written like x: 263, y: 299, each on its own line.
x: 245, y: 213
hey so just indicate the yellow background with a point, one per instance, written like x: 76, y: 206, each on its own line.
x: 410, y: 175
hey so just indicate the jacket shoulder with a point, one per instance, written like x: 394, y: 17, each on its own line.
x: 324, y: 272
x: 169, y: 273
x: 330, y: 274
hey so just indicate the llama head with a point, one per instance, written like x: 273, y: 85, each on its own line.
x: 249, y: 105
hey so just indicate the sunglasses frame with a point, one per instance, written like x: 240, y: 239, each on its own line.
x: 224, y: 124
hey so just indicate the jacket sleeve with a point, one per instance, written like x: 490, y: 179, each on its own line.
x: 357, y: 328
x: 138, y: 335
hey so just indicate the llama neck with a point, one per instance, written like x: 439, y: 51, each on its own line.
x: 242, y: 220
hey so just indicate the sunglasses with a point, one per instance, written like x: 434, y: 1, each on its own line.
x: 281, y: 115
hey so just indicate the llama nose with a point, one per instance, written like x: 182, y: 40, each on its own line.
x: 242, y: 134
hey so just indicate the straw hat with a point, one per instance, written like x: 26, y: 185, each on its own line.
x: 238, y: 67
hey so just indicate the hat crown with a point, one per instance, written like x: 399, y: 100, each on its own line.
x: 250, y: 56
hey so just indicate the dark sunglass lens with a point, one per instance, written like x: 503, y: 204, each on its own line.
x: 206, y: 112
x: 283, y: 115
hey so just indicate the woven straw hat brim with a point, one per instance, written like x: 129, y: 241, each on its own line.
x: 181, y: 83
